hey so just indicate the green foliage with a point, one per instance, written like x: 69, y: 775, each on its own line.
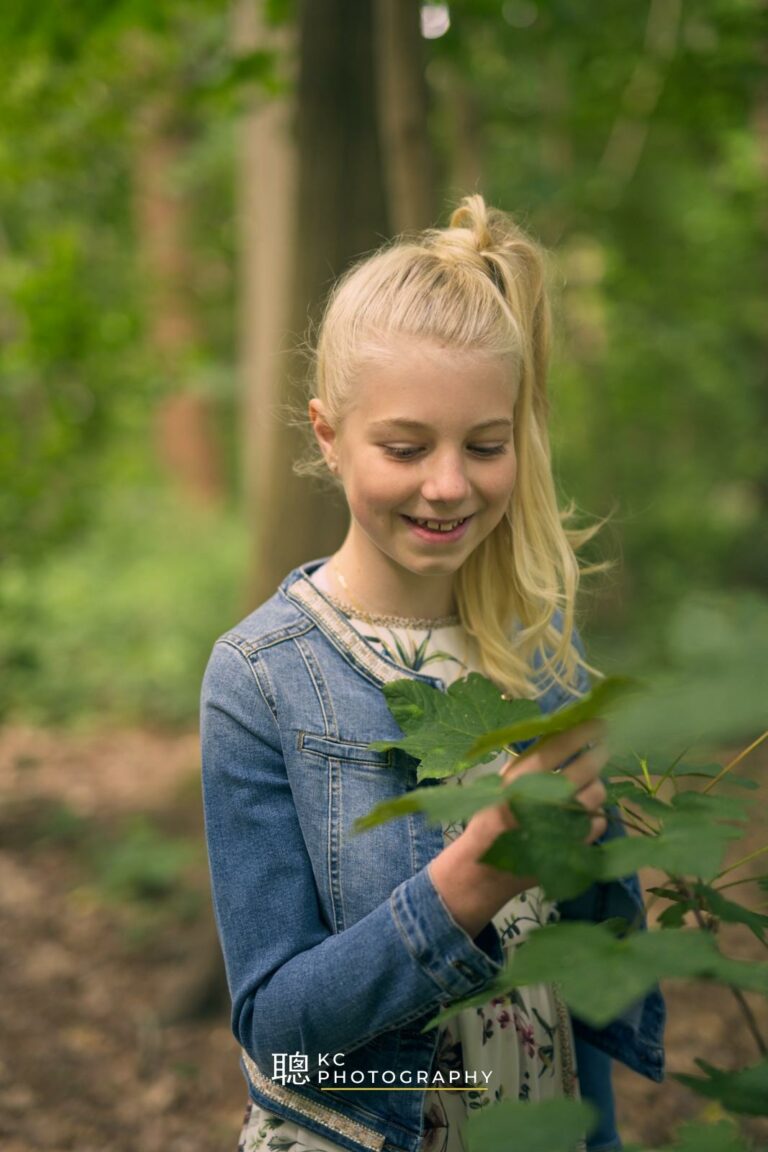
x: 548, y: 844
x: 600, y: 975
x: 690, y: 838
x: 714, y: 686
x: 705, y: 898
x: 142, y: 863
x: 745, y: 1091
x: 721, y: 1137
x: 628, y: 138
x: 121, y: 624
x: 601, y: 700
x: 552, y: 1126
x: 441, y: 724
x: 601, y: 970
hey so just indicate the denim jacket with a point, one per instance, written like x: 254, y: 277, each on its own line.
x: 337, y: 943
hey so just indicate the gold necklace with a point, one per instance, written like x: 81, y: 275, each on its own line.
x: 347, y: 605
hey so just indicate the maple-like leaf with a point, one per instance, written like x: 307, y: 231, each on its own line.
x: 440, y: 726
x: 600, y: 976
x: 744, y: 1091
x: 540, y: 1126
x: 601, y: 700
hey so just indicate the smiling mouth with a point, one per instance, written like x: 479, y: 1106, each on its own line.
x: 438, y: 525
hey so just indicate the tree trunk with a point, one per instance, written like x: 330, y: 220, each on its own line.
x: 184, y: 436
x: 266, y: 183
x: 467, y: 151
x: 402, y: 115
x: 340, y: 213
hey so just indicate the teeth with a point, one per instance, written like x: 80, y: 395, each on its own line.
x: 436, y: 526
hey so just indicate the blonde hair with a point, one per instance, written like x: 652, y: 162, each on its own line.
x: 478, y: 286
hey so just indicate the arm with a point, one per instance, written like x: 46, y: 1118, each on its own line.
x: 295, y: 986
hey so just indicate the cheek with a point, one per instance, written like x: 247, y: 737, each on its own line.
x: 377, y: 490
x: 501, y: 484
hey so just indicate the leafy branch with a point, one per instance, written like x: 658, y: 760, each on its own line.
x: 678, y: 825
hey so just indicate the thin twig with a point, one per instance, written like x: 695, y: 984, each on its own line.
x: 734, y: 762
x: 744, y: 860
x: 734, y: 883
x: 737, y: 994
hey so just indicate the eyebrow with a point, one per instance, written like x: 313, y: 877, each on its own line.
x: 417, y: 426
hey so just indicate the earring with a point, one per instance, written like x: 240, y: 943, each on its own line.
x: 333, y: 466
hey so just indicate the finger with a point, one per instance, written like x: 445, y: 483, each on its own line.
x: 592, y: 797
x: 597, y: 828
x: 581, y: 767
x: 586, y: 768
x: 553, y: 752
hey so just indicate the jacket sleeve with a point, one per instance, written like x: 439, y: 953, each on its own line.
x: 296, y: 987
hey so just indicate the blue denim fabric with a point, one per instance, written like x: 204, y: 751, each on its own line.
x: 333, y: 942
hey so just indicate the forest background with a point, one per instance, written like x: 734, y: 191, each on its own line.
x: 154, y: 206
x: 179, y: 186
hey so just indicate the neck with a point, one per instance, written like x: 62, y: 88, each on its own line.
x: 383, y: 589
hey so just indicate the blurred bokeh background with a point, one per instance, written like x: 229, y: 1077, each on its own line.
x: 179, y: 185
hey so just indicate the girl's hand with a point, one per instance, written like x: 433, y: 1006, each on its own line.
x: 474, y: 892
x: 580, y: 754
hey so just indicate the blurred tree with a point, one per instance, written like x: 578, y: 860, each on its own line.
x: 630, y: 138
x: 184, y: 428
x: 340, y: 211
x: 402, y: 118
x: 627, y: 138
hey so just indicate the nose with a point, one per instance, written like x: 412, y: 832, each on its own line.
x: 446, y: 480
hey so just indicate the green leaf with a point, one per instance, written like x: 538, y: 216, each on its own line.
x: 549, y: 1126
x: 721, y: 1137
x: 689, y: 707
x: 441, y: 726
x: 438, y: 803
x: 459, y: 801
x: 548, y: 845
x: 659, y: 766
x: 600, y: 975
x: 708, y: 898
x: 744, y: 1091
x: 711, y: 806
x: 623, y: 790
x: 673, y: 917
x: 602, y: 699
x: 692, y: 840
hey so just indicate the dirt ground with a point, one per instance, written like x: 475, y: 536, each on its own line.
x: 114, y: 1027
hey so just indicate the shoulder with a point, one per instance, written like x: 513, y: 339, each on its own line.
x: 239, y: 659
x: 277, y: 620
x: 272, y: 622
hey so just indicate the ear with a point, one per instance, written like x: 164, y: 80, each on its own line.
x: 324, y: 433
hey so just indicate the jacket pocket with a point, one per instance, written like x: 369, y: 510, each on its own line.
x: 356, y: 870
x: 350, y: 751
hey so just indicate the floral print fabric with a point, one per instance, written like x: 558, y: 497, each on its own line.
x: 522, y: 1040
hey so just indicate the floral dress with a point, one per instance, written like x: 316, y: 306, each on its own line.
x: 523, y: 1039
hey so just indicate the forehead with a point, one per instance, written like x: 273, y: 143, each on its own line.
x: 422, y: 384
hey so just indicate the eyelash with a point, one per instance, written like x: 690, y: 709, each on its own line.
x: 484, y: 451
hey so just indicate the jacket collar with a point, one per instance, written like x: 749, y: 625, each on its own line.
x: 298, y: 588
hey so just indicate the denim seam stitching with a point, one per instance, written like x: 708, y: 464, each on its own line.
x: 271, y: 639
x: 323, y: 697
x: 254, y: 674
x: 426, y: 968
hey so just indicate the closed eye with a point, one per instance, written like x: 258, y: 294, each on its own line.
x: 488, y: 449
x: 398, y: 452
x: 401, y: 453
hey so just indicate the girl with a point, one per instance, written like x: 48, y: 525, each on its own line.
x: 430, y: 410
